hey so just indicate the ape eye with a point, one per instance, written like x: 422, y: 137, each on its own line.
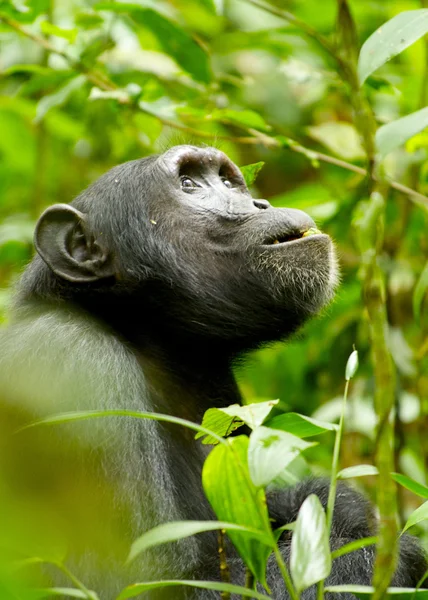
x: 188, y: 183
x: 227, y: 183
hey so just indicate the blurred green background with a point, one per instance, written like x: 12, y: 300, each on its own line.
x: 86, y: 85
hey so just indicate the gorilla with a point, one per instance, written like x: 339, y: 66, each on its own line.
x: 143, y: 292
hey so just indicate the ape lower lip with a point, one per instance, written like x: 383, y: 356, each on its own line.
x: 294, y: 240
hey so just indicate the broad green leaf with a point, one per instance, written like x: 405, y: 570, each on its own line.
x: 250, y: 172
x: 300, y: 425
x: 270, y: 451
x: 357, y: 471
x: 394, y: 134
x: 411, y: 484
x: 177, y: 530
x: 390, y: 39
x: 24, y: 12
x: 366, y: 591
x: 138, y: 588
x: 88, y: 20
x: 220, y: 422
x: 173, y: 39
x: 310, y: 558
x: 340, y: 138
x: 351, y: 365
x: 420, y: 292
x: 418, y: 515
x: 248, y: 119
x: 253, y: 415
x: 234, y: 498
x: 74, y: 416
x: 59, y: 97
x: 51, y: 29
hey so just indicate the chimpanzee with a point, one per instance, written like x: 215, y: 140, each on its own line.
x: 144, y: 291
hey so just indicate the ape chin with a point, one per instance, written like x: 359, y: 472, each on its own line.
x: 143, y: 292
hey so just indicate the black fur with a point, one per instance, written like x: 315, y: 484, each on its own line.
x: 144, y: 292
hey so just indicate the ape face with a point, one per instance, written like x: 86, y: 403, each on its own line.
x: 176, y: 243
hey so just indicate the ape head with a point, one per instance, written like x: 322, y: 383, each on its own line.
x: 174, y: 246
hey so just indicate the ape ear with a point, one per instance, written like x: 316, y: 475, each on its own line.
x: 67, y: 246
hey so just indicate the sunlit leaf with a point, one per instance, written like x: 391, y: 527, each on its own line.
x: 252, y: 415
x: 366, y: 591
x: 234, y: 498
x: 395, y: 134
x: 250, y: 172
x: 138, y: 588
x: 411, y: 484
x: 390, y: 39
x: 357, y: 471
x: 270, y: 451
x: 51, y: 29
x: 220, y: 423
x: 244, y: 118
x: 177, y: 530
x: 418, y: 515
x: 300, y: 425
x: 341, y: 138
x: 68, y: 592
x: 174, y: 40
x: 310, y: 559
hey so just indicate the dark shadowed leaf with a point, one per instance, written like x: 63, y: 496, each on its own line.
x: 390, y: 39
x: 250, y: 172
x: 310, y: 559
x: 419, y: 294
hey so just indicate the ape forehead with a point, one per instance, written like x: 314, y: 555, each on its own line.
x: 207, y: 157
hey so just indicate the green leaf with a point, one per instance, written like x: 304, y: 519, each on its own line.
x: 310, y: 558
x: 420, y: 292
x: 220, y: 422
x: 366, y: 591
x: 270, y: 451
x: 357, y: 471
x: 234, y: 498
x: 68, y: 592
x: 59, y: 97
x: 252, y: 415
x: 248, y: 119
x: 341, y: 138
x: 177, y: 530
x: 353, y: 546
x: 51, y: 29
x: 411, y: 484
x: 395, y: 134
x: 173, y: 39
x: 390, y: 39
x: 418, y: 515
x: 300, y: 425
x: 138, y: 588
x: 250, y: 172
x: 74, y: 416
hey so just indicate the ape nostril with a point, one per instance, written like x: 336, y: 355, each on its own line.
x: 262, y: 204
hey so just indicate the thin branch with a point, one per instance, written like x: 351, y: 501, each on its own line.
x: 255, y: 137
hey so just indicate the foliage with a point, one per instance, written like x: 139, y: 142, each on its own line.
x: 333, y: 104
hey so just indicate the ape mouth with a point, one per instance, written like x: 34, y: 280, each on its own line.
x: 286, y: 238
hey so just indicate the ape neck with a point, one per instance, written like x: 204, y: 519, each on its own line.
x: 188, y: 386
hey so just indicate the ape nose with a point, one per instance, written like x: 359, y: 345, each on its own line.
x: 262, y: 204
x: 299, y: 220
